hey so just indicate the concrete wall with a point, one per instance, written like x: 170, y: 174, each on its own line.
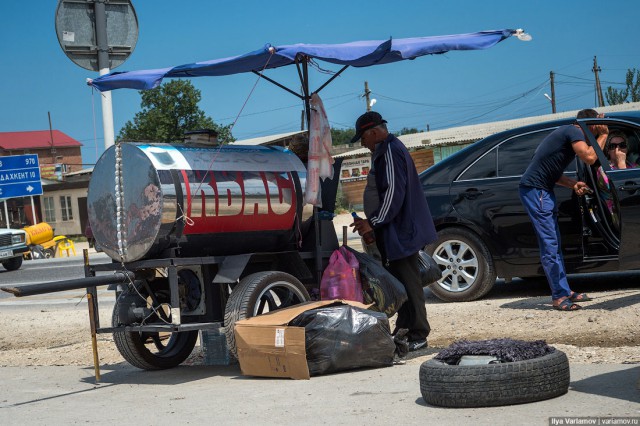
x: 69, y: 227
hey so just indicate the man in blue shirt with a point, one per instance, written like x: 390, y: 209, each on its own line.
x: 546, y: 169
x: 400, y: 219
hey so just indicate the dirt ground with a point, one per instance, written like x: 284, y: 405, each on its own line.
x: 605, y: 331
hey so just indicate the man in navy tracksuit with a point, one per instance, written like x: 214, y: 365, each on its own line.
x: 400, y: 219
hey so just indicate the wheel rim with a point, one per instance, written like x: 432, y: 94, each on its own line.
x: 161, y: 344
x: 459, y: 265
x: 277, y: 295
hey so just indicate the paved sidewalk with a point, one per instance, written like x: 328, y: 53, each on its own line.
x: 221, y: 395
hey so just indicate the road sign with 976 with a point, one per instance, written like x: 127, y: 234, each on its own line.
x: 20, y: 176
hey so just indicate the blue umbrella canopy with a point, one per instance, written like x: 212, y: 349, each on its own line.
x: 356, y: 54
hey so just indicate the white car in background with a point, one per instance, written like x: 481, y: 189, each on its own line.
x: 13, y: 243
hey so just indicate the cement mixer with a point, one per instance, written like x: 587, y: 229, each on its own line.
x: 41, y: 241
x: 200, y: 237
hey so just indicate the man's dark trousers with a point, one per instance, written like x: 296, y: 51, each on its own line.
x: 412, y: 315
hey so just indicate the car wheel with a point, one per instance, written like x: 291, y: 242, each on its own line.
x: 487, y: 385
x: 12, y: 264
x: 467, y: 267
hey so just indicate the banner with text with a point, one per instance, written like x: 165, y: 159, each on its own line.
x: 354, y: 169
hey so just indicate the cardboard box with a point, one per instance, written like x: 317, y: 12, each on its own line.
x: 268, y: 347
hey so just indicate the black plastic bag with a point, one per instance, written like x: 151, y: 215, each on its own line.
x: 343, y: 337
x: 379, y: 287
x: 429, y: 270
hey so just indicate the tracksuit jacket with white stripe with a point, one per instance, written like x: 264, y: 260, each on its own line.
x: 403, y: 214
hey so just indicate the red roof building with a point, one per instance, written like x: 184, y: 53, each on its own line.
x: 63, y: 204
x: 55, y: 149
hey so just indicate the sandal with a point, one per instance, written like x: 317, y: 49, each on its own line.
x: 567, y: 305
x: 580, y: 297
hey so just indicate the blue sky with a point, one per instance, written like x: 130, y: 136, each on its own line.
x: 458, y: 88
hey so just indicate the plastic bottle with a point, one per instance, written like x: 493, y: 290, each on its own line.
x: 369, y: 238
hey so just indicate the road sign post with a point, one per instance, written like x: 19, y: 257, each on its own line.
x: 20, y: 176
x: 98, y: 35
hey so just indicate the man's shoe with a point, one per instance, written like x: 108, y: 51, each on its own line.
x: 417, y: 344
x: 399, y: 360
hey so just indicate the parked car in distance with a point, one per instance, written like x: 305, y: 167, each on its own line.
x: 484, y: 231
x: 13, y: 242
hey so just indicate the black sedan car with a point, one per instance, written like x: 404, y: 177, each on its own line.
x: 484, y: 231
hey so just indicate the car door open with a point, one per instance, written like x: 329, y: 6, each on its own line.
x: 611, y: 215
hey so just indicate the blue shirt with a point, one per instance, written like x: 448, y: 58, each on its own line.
x: 553, y: 155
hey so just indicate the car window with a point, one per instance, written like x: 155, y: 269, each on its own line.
x: 485, y: 167
x: 631, y: 138
x: 514, y: 155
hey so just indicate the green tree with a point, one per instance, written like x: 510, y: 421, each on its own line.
x: 167, y: 112
x: 407, y: 131
x: 342, y: 136
x: 631, y: 93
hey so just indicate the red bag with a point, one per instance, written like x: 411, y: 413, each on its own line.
x: 341, y: 278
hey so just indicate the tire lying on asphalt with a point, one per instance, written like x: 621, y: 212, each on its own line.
x: 488, y: 385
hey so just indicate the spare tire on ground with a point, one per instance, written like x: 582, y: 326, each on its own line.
x: 486, y: 385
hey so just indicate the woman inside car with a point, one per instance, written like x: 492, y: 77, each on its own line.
x: 616, y: 150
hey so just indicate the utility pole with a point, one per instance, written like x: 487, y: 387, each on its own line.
x: 367, y: 92
x: 553, y: 93
x: 596, y: 69
x: 103, y: 65
x: 53, y: 147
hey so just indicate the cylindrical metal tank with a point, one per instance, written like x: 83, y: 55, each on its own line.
x: 39, y: 233
x: 204, y: 200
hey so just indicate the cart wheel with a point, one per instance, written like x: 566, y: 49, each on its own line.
x: 258, y: 294
x: 151, y: 350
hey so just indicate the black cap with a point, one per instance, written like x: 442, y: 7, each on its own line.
x: 367, y: 121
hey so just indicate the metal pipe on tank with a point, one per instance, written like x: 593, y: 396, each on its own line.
x: 52, y: 287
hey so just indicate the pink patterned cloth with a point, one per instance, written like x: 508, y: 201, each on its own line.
x: 320, y: 163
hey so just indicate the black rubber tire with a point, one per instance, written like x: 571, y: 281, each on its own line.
x: 168, y: 354
x: 49, y: 253
x: 490, y: 385
x: 254, y: 295
x: 469, y: 277
x: 13, y: 263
